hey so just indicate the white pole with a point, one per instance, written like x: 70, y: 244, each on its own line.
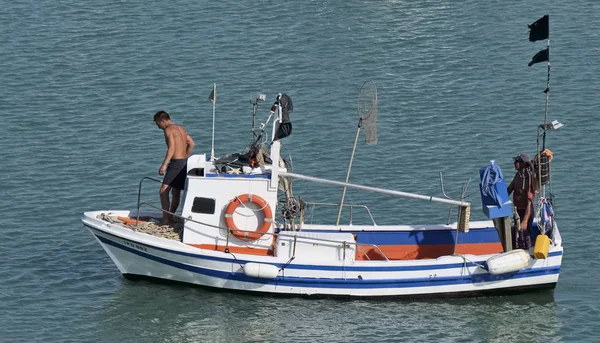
x: 337, y: 222
x: 212, y: 151
x: 275, y: 145
x: 378, y: 190
x: 547, y: 91
x: 275, y: 148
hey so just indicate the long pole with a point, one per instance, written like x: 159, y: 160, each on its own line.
x: 461, y: 203
x: 547, y: 91
x: 337, y: 222
x: 254, y: 105
x: 212, y: 150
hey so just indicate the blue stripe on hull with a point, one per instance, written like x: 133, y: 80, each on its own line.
x: 316, y: 267
x: 339, y: 282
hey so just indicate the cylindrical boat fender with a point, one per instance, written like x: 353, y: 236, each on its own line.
x: 508, y: 262
x: 261, y: 270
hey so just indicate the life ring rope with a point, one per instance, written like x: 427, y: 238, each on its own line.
x: 243, y: 205
x: 239, y: 201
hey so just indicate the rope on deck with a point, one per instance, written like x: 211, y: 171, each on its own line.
x: 174, y: 232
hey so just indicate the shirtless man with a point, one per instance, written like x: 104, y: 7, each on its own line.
x: 179, y: 147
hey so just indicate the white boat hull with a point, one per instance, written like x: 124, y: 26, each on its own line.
x: 139, y: 254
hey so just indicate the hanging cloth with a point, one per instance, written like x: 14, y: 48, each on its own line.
x: 491, y: 176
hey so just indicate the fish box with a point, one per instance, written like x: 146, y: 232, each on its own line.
x: 318, y: 246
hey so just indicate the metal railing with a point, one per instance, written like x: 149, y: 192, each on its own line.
x: 314, y: 204
x: 140, y: 195
x: 344, y: 243
x: 139, y: 204
x: 295, y: 237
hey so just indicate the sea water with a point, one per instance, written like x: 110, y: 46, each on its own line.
x: 80, y: 82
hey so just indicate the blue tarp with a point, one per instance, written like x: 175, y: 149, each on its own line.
x: 491, y: 176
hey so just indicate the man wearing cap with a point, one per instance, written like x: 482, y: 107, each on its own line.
x: 523, y: 187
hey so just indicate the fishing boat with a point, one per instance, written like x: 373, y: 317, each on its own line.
x: 242, y: 228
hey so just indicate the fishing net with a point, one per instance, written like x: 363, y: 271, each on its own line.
x: 367, y: 118
x: 367, y: 111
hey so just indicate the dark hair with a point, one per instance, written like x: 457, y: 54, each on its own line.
x: 161, y: 115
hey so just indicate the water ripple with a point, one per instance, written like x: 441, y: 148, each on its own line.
x: 81, y: 81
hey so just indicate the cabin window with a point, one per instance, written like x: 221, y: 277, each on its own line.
x: 203, y: 205
x: 196, y: 172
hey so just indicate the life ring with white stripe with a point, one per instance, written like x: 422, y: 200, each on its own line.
x: 261, y: 203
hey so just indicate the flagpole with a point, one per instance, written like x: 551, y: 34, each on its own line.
x: 540, y: 30
x: 547, y: 91
x: 212, y: 151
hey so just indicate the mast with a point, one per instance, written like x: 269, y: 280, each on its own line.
x: 275, y: 144
x: 547, y: 90
x: 213, y: 98
x: 540, y: 30
x: 259, y: 97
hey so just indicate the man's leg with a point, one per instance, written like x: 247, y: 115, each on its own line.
x: 176, y: 195
x: 164, y: 203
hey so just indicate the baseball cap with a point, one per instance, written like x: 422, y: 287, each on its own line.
x: 522, y: 157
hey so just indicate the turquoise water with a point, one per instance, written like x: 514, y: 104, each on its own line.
x: 81, y: 81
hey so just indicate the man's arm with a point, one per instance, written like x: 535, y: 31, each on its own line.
x: 525, y: 219
x: 170, y: 139
x: 528, y: 210
x: 189, y: 145
x: 510, y: 186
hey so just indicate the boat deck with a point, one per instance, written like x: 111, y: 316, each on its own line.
x: 148, y: 225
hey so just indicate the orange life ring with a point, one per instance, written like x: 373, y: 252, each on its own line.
x: 239, y: 200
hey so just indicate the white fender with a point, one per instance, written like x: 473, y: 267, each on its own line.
x: 508, y: 262
x: 261, y: 270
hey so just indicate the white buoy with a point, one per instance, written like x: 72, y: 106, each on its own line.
x: 261, y: 270
x: 508, y: 262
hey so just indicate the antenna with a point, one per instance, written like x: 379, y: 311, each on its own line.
x: 259, y: 97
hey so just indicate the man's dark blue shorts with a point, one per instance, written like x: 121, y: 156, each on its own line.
x: 175, y: 175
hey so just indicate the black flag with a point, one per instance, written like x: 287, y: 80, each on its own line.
x: 541, y: 56
x: 539, y: 29
x: 212, y: 98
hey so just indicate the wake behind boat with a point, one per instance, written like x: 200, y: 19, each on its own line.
x: 242, y: 228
